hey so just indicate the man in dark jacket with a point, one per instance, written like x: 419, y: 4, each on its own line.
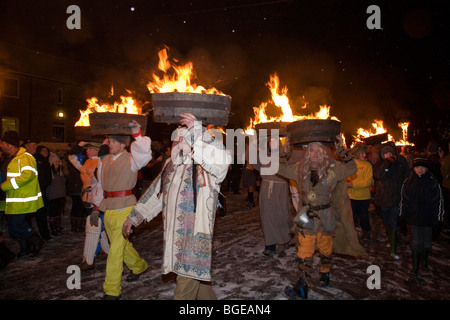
x: 389, y: 173
x: 421, y: 206
x: 41, y: 155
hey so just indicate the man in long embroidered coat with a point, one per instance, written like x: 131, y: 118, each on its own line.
x: 188, y: 188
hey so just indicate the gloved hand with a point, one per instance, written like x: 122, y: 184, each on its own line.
x: 93, y: 218
x: 135, y: 128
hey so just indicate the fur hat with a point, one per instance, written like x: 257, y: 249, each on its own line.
x: 421, y: 161
x: 53, y: 158
x: 11, y: 137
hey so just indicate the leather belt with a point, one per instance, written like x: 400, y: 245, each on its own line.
x: 115, y: 194
x: 321, y: 207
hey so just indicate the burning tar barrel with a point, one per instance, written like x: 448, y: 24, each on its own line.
x: 208, y: 108
x: 305, y: 131
x: 102, y: 123
x: 281, y: 126
x: 376, y: 139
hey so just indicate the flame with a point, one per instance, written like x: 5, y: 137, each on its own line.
x: 281, y: 100
x: 127, y: 105
x: 380, y: 129
x: 362, y: 133
x: 179, y: 81
x: 404, y: 141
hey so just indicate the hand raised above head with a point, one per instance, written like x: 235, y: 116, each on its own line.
x: 188, y: 119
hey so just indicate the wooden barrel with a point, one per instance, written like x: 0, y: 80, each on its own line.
x: 208, y: 108
x: 304, y: 131
x: 376, y: 139
x: 83, y: 133
x: 281, y: 126
x: 102, y: 123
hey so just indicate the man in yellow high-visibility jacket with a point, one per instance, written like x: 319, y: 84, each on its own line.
x: 23, y: 194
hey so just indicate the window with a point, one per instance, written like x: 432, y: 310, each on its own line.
x: 10, y: 88
x: 9, y: 123
x: 59, y: 132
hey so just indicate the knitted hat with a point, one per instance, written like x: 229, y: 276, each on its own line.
x: 11, y: 137
x: 52, y: 158
x: 123, y: 139
x: 420, y: 161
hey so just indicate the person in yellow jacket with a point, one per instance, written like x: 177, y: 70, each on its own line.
x: 23, y: 194
x: 359, y: 191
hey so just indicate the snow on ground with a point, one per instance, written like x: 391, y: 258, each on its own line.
x: 240, y: 272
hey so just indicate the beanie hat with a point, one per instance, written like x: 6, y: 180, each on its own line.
x: 420, y: 161
x: 123, y: 139
x: 11, y: 137
x: 52, y: 158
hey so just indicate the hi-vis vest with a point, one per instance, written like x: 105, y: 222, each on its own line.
x: 23, y: 194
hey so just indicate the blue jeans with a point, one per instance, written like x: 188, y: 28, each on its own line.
x: 18, y: 226
x: 360, y: 209
x: 390, y: 217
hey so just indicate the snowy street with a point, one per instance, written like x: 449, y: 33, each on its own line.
x: 240, y: 271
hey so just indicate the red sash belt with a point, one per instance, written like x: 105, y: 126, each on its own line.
x: 115, y: 194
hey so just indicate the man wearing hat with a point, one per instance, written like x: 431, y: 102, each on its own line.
x: 23, y: 194
x: 422, y: 206
x: 118, y: 172
x: 389, y: 172
x: 41, y: 155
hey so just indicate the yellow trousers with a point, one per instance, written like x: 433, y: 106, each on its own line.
x: 307, y: 246
x: 121, y: 251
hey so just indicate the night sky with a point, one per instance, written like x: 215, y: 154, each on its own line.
x: 321, y: 50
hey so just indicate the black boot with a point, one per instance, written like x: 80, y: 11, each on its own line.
x: 393, y: 245
x: 24, y: 248
x: 324, y: 279
x: 59, y: 227
x: 298, y: 291
x: 36, y: 243
x: 53, y: 226
x: 6, y: 255
x: 425, y: 269
x: 416, y: 265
